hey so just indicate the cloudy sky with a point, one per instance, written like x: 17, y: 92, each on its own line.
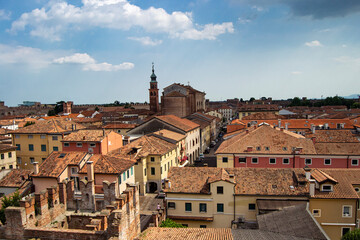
x: 99, y: 51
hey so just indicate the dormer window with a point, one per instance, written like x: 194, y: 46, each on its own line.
x: 285, y: 148
x: 258, y: 148
x: 326, y: 188
x: 267, y: 148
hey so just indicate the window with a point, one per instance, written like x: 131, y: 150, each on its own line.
x: 42, y: 136
x: 9, y: 155
x: 152, y: 171
x: 74, y: 170
x: 254, y: 160
x: 55, y: 148
x: 326, y: 188
x: 132, y: 171
x: 272, y: 160
x: 258, y: 148
x: 66, y: 144
x: 316, y: 212
x: 128, y: 173
x: 2, y: 168
x: 357, y: 189
x: 344, y: 230
x: 92, y: 145
x: 2, y: 156
x: 145, y: 172
x: 32, y: 160
x: 346, y: 211
x: 267, y: 148
x: 308, y: 161
x: 120, y: 179
x: 225, y: 159
x: 31, y: 147
x: 202, y: 207
x: 10, y: 166
x: 54, y: 138
x: 286, y: 161
x: 354, y: 162
x: 160, y: 170
x: 220, y: 190
x: 152, y: 159
x: 187, y: 207
x: 220, y: 207
x: 18, y: 147
x: 30, y: 136
x: 202, y: 226
x: 327, y: 161
x: 285, y: 148
x: 18, y: 160
x: 79, y: 144
x: 242, y: 160
x: 252, y: 206
x: 171, y: 205
x: 43, y: 148
x: 17, y: 136
x: 124, y: 176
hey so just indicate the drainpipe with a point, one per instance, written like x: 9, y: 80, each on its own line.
x: 234, y: 203
x: 356, y: 210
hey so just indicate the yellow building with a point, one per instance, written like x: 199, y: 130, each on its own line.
x: 218, y: 197
x: 35, y: 142
x: 7, y: 156
x: 249, y: 109
x: 155, y: 154
x: 334, y: 200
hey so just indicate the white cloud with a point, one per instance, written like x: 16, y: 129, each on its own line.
x: 314, y: 43
x: 24, y: 55
x: 257, y: 8
x: 89, y: 63
x: 4, y: 15
x: 54, y: 19
x: 347, y: 59
x: 147, y: 41
x: 244, y: 20
x: 296, y: 72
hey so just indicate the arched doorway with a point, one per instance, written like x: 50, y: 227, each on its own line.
x: 153, y: 187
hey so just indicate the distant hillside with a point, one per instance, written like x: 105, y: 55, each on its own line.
x: 352, y: 96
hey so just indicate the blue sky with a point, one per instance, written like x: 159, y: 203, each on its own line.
x: 99, y: 51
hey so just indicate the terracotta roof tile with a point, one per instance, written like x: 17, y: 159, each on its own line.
x: 55, y: 125
x: 120, y: 126
x: 344, y: 188
x: 15, y: 178
x: 170, y: 134
x: 338, y: 148
x: 263, y: 115
x: 248, y: 181
x: 155, y: 233
x: 181, y: 123
x: 56, y: 162
x: 278, y: 142
x: 332, y: 136
x: 6, y: 148
x: 86, y: 135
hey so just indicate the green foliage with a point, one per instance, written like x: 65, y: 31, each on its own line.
x: 329, y: 101
x: 51, y: 112
x: 59, y: 107
x: 171, y: 224
x: 352, y: 235
x: 96, y: 109
x: 252, y: 99
x: 13, y: 200
x: 28, y: 124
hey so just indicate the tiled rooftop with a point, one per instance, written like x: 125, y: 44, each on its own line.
x: 248, y: 181
x: 338, y: 148
x: 344, y: 187
x: 154, y: 233
x: 85, y: 135
x: 333, y: 136
x: 55, y: 125
x: 6, y: 148
x: 263, y: 115
x: 56, y: 162
x: 170, y: 134
x: 181, y: 123
x: 15, y: 178
x: 120, y: 126
x: 108, y: 164
x: 278, y: 142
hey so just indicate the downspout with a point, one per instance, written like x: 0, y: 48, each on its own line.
x: 234, y: 203
x: 356, y: 211
x: 234, y: 165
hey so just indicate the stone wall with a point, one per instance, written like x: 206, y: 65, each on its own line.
x: 44, y: 215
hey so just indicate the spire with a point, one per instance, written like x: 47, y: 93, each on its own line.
x: 153, y: 76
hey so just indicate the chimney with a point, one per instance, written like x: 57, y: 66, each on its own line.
x: 255, y: 126
x: 313, y: 128
x: 247, y: 131
x: 72, y: 127
x: 84, y: 137
x: 313, y: 139
x: 36, y: 167
x: 286, y: 126
x: 103, y: 132
x: 307, y: 172
x: 169, y: 184
x: 279, y: 123
x: 249, y: 149
x: 312, y: 187
x: 90, y: 170
x: 282, y: 129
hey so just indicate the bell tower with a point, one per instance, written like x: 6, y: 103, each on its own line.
x: 153, y: 92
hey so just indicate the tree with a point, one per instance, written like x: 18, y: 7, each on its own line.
x: 28, y: 124
x: 51, y: 112
x: 171, y: 224
x: 96, y: 109
x: 116, y: 103
x: 352, y: 235
x: 252, y: 99
x: 13, y: 200
x: 59, y: 107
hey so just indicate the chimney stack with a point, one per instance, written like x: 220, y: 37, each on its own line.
x: 249, y: 149
x: 313, y: 139
x: 36, y: 167
x: 313, y: 128
x: 279, y: 123
x: 247, y: 131
x: 286, y: 126
x: 307, y: 172
x: 90, y: 170
x: 312, y: 187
